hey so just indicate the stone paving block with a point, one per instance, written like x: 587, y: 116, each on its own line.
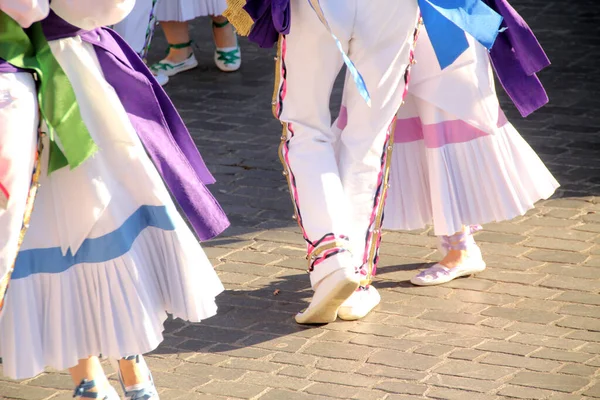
x: 523, y: 291
x: 385, y: 342
x: 338, y: 350
x: 470, y: 284
x: 591, y: 324
x: 178, y: 381
x: 212, y: 334
x: 585, y: 336
x: 499, y: 275
x: 539, y: 380
x: 511, y: 262
x: 557, y: 256
x: 410, y: 361
x: 561, y: 355
x: 344, y: 378
x: 495, y: 237
x: 294, y: 359
x: 245, y: 364
x: 435, y: 350
x: 459, y: 318
x: 463, y: 383
x: 379, y: 330
x: 570, y: 283
x: 331, y: 390
x: 466, y: 354
x: 547, y: 341
x: 501, y: 346
x: 339, y: 365
x: 52, y: 381
x: 253, y: 257
x: 566, y: 234
x: 470, y: 369
x: 594, y: 391
x: 264, y: 270
x: 275, y: 381
x: 578, y: 369
x: 337, y: 336
x: 508, y: 360
x: 382, y: 371
x: 369, y: 394
x: 558, y: 244
x: 575, y: 271
x: 519, y: 392
x: 401, y: 387
x: 244, y: 352
x: 484, y: 297
x: 579, y: 297
x: 537, y: 304
x: 522, y: 315
x: 451, y: 394
x: 232, y: 389
x: 296, y: 371
x: 279, y: 394
x: 24, y: 392
x: 210, y: 372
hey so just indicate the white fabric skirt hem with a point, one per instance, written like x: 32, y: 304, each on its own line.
x: 115, y: 308
x: 489, y: 179
x: 187, y: 10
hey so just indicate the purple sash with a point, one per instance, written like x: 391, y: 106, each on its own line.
x: 157, y: 123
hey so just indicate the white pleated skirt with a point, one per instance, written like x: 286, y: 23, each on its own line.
x: 456, y: 159
x: 187, y: 10
x: 107, y: 255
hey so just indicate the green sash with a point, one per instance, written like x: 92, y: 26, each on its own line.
x: 28, y: 48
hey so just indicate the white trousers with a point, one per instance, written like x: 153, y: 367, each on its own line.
x: 339, y: 199
x: 18, y: 138
x: 138, y: 27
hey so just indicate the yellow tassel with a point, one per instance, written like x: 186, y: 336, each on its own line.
x: 238, y: 17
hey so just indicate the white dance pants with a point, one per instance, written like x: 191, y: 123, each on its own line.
x: 339, y: 198
x: 18, y: 139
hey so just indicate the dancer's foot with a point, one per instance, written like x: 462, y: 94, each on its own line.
x: 330, y: 294
x: 455, y: 264
x: 136, y: 379
x: 362, y: 302
x: 180, y: 58
x: 462, y: 257
x: 228, y: 57
x: 87, y: 389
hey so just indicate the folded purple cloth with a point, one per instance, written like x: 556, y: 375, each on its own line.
x: 271, y: 18
x: 516, y: 57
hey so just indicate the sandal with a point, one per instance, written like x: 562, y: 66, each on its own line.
x: 142, y: 391
x: 168, y: 68
x: 83, y: 391
x: 227, y: 59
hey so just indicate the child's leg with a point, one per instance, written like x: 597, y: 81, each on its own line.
x: 383, y: 56
x: 308, y: 63
x: 90, y: 381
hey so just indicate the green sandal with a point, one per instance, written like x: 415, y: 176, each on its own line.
x: 168, y: 68
x: 227, y: 59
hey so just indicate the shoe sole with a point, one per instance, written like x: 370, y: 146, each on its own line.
x: 349, y: 316
x: 327, y: 309
x: 173, y: 72
x: 440, y: 282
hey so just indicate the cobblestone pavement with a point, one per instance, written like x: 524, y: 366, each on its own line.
x: 526, y: 328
